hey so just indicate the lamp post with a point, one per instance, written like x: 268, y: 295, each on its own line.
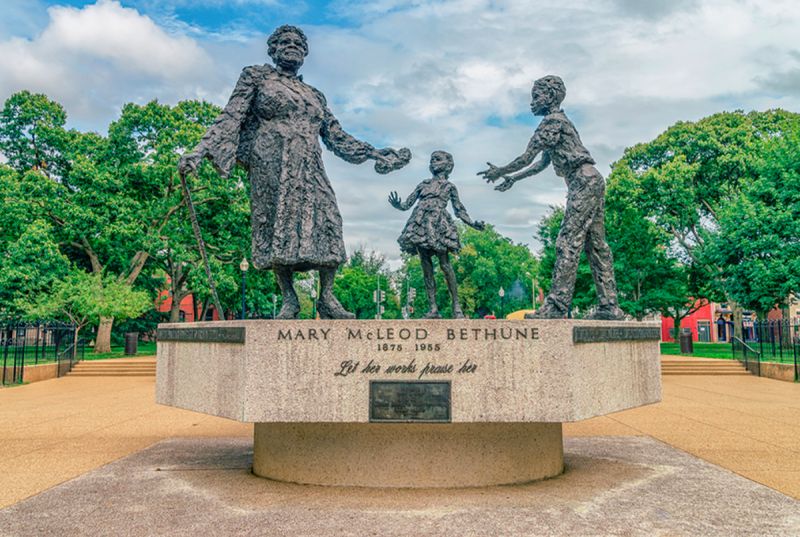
x: 533, y: 289
x: 377, y: 297
x: 313, y: 298
x: 274, y: 305
x: 243, y: 266
x: 502, y: 294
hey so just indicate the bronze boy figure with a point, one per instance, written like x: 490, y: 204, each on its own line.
x: 583, y: 228
x: 430, y: 230
x: 272, y: 125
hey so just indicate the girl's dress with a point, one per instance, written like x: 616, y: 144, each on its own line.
x: 430, y: 226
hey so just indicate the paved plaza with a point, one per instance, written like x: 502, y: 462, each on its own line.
x: 62, y: 429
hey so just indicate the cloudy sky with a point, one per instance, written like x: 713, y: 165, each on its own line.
x: 426, y: 74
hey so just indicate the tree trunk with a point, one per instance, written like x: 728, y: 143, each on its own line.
x: 103, y: 341
x: 676, y: 328
x: 738, y: 318
x: 175, y: 309
x: 75, y: 343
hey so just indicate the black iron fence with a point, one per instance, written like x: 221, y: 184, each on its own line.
x: 768, y: 341
x: 27, y: 344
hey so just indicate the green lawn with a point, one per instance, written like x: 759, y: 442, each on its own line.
x: 33, y: 355
x: 701, y: 350
x: 144, y: 349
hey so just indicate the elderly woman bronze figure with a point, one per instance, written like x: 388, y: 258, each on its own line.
x: 271, y: 126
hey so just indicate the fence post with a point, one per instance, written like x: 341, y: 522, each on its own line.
x: 36, y: 346
x: 4, y: 341
x: 21, y: 354
x: 794, y: 332
x: 13, y: 339
x: 758, y: 364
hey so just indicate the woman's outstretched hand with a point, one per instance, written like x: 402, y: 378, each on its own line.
x: 388, y: 160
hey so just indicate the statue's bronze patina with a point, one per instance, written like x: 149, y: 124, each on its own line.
x: 271, y: 126
x: 583, y: 228
x: 431, y: 232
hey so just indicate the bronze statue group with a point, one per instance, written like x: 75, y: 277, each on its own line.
x: 272, y: 125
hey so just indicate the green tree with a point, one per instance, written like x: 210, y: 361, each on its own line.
x: 650, y: 279
x: 683, y: 179
x: 29, y: 266
x: 715, y: 189
x: 82, y: 298
x: 149, y: 140
x: 359, y: 278
x: 116, y: 202
x: 32, y: 134
x: 758, y: 238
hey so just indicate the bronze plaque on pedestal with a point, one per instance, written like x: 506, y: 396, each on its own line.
x: 409, y: 401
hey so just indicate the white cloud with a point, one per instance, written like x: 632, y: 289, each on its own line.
x: 96, y: 58
x: 122, y: 36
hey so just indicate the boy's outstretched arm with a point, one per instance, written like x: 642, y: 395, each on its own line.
x: 493, y: 173
x: 536, y: 167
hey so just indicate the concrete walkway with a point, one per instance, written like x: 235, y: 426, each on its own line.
x: 59, y: 429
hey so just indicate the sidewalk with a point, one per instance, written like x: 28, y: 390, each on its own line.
x: 58, y: 429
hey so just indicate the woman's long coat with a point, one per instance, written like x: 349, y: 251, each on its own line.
x: 271, y: 126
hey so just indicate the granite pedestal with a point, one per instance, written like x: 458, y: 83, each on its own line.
x: 444, y: 403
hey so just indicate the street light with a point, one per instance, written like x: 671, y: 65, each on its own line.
x: 274, y: 305
x: 313, y: 298
x: 533, y: 289
x: 502, y: 293
x: 243, y: 266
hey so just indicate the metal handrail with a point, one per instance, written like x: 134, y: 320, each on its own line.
x: 745, y: 350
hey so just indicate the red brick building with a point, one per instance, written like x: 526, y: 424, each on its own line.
x: 711, y: 323
x: 187, y: 307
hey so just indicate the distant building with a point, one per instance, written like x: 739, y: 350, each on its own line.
x: 711, y: 323
x: 187, y: 307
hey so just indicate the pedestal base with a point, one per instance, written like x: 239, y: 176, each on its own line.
x: 408, y: 455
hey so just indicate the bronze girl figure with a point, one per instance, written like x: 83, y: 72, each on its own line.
x: 431, y: 231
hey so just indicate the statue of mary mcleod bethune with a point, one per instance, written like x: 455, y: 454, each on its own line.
x: 271, y: 126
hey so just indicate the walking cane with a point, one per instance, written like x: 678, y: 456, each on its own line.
x: 187, y: 196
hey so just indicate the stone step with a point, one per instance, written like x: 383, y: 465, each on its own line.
x: 706, y: 373
x: 100, y: 369
x: 114, y: 374
x: 690, y: 367
x: 109, y: 366
x: 115, y: 368
x: 92, y: 366
x: 702, y: 366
